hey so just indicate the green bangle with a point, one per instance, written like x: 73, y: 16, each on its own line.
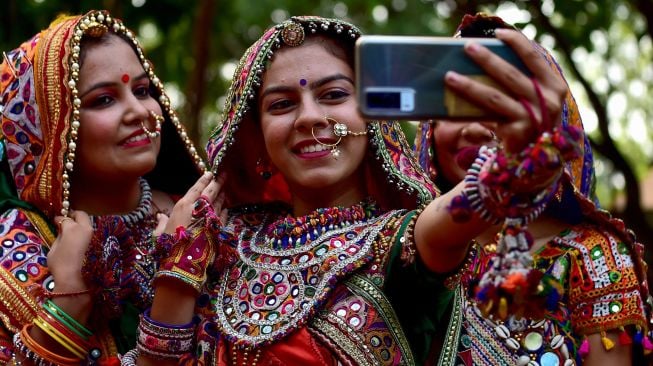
x: 66, y: 319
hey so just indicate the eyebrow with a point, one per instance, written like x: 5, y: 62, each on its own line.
x: 313, y: 85
x: 104, y: 84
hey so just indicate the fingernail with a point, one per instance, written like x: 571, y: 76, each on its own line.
x: 472, y: 47
x: 452, y: 76
x: 500, y: 31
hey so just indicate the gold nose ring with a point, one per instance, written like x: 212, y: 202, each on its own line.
x: 157, y: 128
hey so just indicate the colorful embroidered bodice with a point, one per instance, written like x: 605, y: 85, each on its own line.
x: 324, y: 292
x: 601, y: 293
x: 120, y: 262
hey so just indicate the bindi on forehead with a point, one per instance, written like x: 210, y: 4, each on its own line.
x: 302, y: 82
x: 125, y: 78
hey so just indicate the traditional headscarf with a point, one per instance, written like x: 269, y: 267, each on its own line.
x: 395, y: 179
x: 40, y: 117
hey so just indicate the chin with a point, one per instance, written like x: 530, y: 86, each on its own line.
x: 140, y: 168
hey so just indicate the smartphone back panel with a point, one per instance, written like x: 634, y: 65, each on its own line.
x: 402, y: 77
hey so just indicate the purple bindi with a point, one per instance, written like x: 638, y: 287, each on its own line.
x: 302, y: 82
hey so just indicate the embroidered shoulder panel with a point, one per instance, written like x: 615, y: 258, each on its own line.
x: 603, y: 286
x: 270, y: 292
x: 355, y: 327
x: 23, y: 262
x: 21, y: 248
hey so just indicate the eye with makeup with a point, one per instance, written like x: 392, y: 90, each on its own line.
x: 280, y: 105
x: 142, y: 91
x: 100, y: 99
x: 334, y: 95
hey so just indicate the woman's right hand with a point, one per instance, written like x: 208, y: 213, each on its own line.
x: 182, y: 212
x: 68, y: 251
x: 527, y: 105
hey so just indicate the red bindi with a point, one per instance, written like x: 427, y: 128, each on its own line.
x: 125, y: 78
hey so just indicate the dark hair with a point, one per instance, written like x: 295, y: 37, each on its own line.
x: 89, y: 41
x: 341, y: 50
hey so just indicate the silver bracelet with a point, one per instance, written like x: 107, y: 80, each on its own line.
x: 129, y: 358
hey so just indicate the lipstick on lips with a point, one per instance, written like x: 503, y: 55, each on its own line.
x: 136, y: 139
x: 465, y: 156
x: 309, y: 149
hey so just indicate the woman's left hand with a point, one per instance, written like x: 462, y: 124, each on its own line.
x: 527, y: 104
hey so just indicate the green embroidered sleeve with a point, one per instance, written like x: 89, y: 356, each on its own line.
x: 419, y: 296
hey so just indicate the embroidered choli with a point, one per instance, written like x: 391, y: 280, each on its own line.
x: 601, y: 293
x: 326, y: 294
x: 121, y: 262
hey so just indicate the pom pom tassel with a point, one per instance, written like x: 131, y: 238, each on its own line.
x: 624, y: 337
x: 648, y: 346
x: 584, y: 348
x: 608, y: 344
x: 639, y: 336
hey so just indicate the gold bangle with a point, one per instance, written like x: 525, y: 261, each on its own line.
x: 64, y: 341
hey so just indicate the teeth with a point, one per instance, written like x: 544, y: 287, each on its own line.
x: 136, y: 138
x: 314, y: 148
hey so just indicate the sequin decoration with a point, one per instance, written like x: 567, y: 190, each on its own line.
x: 271, y: 291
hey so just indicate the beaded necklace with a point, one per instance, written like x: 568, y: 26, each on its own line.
x: 292, y: 232
x: 144, y: 205
x: 121, y: 257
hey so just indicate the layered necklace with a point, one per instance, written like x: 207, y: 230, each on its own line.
x: 121, y: 257
x: 292, y: 232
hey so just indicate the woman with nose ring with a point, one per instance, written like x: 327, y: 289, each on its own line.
x: 91, y: 151
x: 329, y: 246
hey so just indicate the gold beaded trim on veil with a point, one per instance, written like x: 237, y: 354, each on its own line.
x: 95, y: 24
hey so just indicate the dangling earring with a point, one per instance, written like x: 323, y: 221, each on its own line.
x: 263, y: 169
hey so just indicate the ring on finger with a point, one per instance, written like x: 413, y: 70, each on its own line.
x: 64, y: 219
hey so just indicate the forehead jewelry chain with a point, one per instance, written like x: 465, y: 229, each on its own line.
x: 157, y: 129
x: 340, y: 130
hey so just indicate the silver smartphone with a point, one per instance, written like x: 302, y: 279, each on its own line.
x: 402, y: 77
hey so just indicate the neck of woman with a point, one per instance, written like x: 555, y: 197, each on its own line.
x: 105, y: 198
x: 306, y: 202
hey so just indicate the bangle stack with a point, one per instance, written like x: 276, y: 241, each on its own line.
x: 39, y: 355
x: 63, y: 329
x: 500, y: 187
x: 129, y: 358
x: 163, y: 341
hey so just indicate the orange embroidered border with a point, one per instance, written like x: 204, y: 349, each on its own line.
x: 17, y: 304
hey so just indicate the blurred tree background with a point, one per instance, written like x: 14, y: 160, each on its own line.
x: 604, y: 46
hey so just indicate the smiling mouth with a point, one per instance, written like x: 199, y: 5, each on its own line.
x: 134, y: 139
x: 314, y: 148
